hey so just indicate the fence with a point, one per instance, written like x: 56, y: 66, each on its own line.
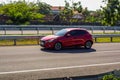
x: 38, y: 29
x: 16, y: 38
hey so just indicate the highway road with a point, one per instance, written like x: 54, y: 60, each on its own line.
x: 34, y: 62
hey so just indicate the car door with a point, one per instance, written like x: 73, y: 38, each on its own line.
x: 79, y: 37
x: 68, y: 39
x: 75, y: 37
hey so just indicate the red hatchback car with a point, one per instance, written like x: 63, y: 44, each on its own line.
x: 66, y: 38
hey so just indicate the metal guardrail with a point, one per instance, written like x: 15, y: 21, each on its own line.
x: 3, y: 37
x: 111, y: 36
x: 15, y: 38
x: 52, y: 28
x: 7, y: 37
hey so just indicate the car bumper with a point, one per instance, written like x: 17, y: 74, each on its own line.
x: 46, y: 44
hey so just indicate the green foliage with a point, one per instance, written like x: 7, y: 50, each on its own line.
x: 43, y: 8
x: 77, y: 7
x: 111, y: 13
x: 9, y: 22
x: 110, y: 77
x: 1, y: 5
x: 20, y: 12
x: 93, y: 16
x: 67, y: 13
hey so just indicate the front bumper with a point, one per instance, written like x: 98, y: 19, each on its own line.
x: 46, y: 44
x: 42, y: 43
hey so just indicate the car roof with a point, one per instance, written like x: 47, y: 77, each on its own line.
x: 70, y: 29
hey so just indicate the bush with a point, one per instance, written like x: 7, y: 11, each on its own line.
x: 110, y: 77
x: 9, y: 22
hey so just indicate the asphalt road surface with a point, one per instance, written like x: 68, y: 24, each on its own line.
x: 34, y: 62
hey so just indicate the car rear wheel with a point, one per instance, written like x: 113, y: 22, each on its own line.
x: 58, y: 46
x: 88, y: 44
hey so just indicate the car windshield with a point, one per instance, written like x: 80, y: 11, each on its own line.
x: 61, y: 32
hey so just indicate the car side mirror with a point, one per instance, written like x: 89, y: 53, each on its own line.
x: 68, y: 35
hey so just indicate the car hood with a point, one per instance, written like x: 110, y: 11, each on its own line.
x: 49, y: 37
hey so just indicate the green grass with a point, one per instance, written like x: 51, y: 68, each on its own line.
x: 19, y: 42
x: 108, y: 39
x: 116, y: 39
x: 6, y: 42
x: 27, y: 42
x: 103, y: 39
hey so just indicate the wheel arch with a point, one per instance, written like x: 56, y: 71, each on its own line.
x: 90, y: 41
x: 58, y: 42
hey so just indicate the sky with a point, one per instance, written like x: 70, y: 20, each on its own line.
x: 90, y: 4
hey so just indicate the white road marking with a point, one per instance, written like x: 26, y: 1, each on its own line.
x: 58, y: 68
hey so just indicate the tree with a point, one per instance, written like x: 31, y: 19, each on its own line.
x: 1, y: 5
x: 93, y: 16
x: 20, y: 12
x: 111, y: 13
x: 43, y: 8
x: 67, y: 13
x: 86, y: 14
x: 77, y: 7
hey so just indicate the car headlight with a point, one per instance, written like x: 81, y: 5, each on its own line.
x: 50, y: 40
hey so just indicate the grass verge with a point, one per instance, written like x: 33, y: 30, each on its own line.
x: 107, y: 39
x: 19, y: 42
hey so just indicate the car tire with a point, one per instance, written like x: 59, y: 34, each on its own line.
x: 88, y: 44
x: 58, y: 46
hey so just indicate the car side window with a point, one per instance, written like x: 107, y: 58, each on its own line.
x: 77, y: 32
x: 82, y: 32
x: 73, y: 33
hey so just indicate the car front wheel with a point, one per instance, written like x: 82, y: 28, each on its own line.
x: 58, y: 46
x: 88, y: 44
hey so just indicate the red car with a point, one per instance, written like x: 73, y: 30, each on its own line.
x: 66, y: 38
